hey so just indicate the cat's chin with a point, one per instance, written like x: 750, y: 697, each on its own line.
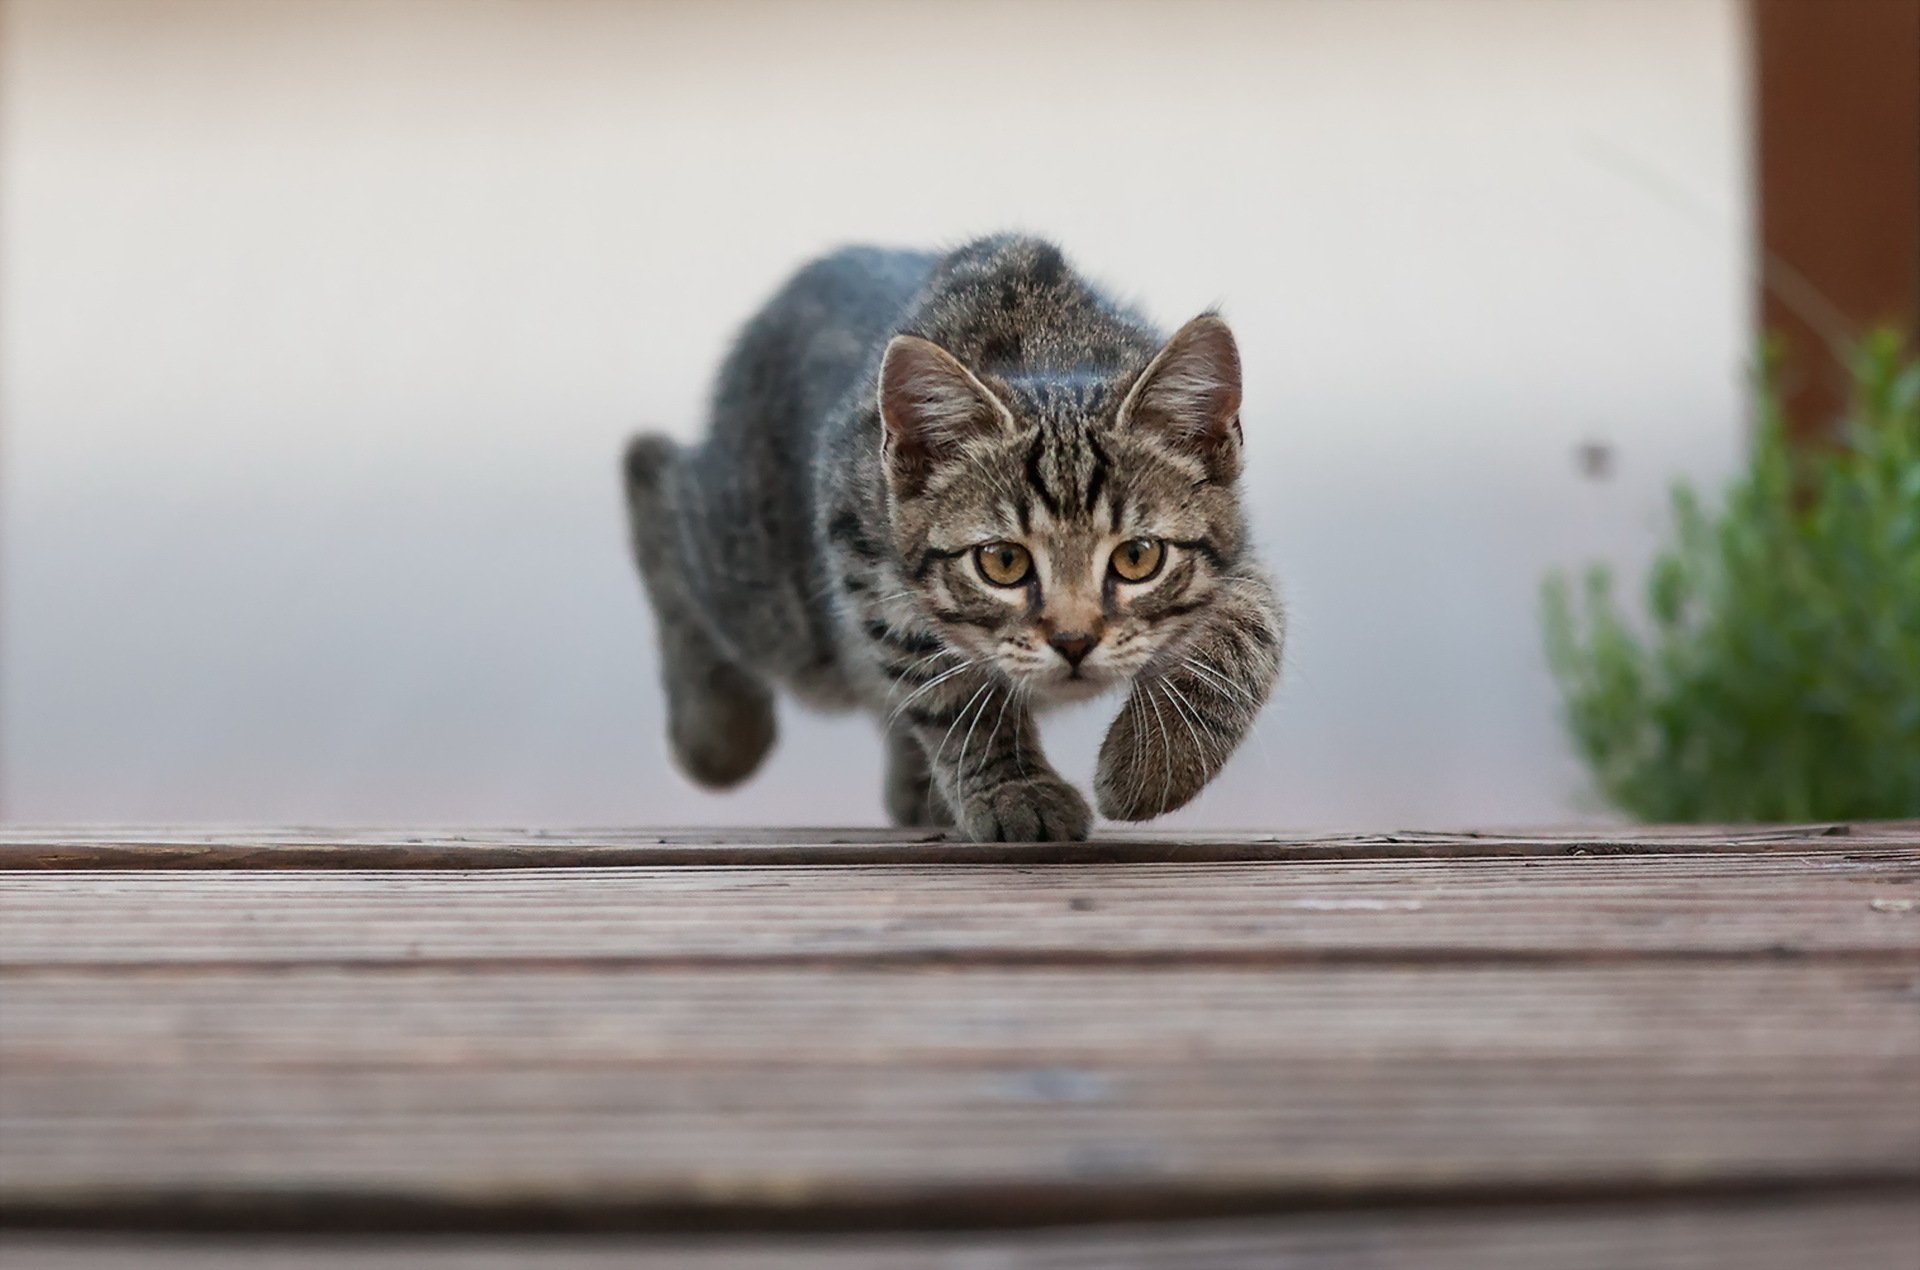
x: 1067, y: 690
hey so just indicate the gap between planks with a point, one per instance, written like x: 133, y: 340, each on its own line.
x: 151, y: 848
x: 1872, y: 1233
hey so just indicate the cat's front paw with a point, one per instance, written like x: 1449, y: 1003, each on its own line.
x: 1149, y: 765
x: 1038, y: 808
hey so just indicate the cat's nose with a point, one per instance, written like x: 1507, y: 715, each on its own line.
x: 1073, y: 645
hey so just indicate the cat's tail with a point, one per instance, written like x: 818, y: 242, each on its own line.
x: 720, y: 721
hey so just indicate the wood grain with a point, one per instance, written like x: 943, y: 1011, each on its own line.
x: 960, y: 1093
x: 1779, y: 904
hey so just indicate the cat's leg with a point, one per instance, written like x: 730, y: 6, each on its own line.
x: 912, y: 798
x: 984, y: 753
x: 720, y: 720
x: 1184, y: 719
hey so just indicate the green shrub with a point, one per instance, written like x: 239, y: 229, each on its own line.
x: 1776, y: 673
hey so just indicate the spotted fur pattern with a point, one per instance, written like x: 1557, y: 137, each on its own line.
x: 887, y: 414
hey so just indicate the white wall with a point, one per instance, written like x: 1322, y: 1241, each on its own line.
x: 321, y: 324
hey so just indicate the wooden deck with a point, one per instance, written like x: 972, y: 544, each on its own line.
x: 1688, y: 1048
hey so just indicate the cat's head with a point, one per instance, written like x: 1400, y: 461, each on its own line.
x: 1066, y: 527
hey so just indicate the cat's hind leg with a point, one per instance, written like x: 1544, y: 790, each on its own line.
x: 720, y: 720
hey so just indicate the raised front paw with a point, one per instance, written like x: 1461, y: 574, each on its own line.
x: 1153, y: 761
x: 1038, y: 808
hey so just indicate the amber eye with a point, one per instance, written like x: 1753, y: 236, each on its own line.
x: 1138, y: 559
x: 1003, y: 563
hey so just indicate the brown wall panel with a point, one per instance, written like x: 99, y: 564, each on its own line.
x: 1837, y: 117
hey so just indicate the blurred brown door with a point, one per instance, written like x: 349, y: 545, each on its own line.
x: 1837, y: 122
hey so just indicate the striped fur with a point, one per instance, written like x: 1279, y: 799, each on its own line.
x: 886, y: 414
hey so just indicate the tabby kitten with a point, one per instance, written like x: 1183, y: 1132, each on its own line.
x: 952, y: 490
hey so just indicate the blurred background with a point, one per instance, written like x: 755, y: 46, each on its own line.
x: 322, y: 323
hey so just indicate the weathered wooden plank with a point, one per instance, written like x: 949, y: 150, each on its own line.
x: 68, y: 848
x: 848, y: 1045
x: 1866, y: 903
x: 957, y: 1142
x: 1794, y: 1015
x: 1874, y: 1233
x: 957, y: 1096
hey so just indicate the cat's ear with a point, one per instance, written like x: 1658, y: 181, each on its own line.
x: 1190, y: 393
x: 931, y: 406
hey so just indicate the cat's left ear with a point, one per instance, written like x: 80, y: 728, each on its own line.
x: 1189, y: 395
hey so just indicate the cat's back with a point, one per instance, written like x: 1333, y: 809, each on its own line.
x: 808, y: 346
x: 746, y: 492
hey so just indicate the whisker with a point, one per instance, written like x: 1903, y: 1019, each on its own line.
x: 1173, y: 848
x: 1000, y: 718
x: 1220, y: 681
x: 1210, y: 755
x: 918, y: 662
x: 1166, y: 746
x: 1218, y: 678
x: 1019, y: 755
x: 960, y: 768
x: 932, y: 683
x: 1138, y: 757
x: 948, y: 734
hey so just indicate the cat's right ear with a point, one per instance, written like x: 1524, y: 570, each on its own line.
x: 1189, y: 396
x: 931, y: 406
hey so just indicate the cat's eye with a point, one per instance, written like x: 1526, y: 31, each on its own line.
x: 1003, y: 563
x: 1138, y: 559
